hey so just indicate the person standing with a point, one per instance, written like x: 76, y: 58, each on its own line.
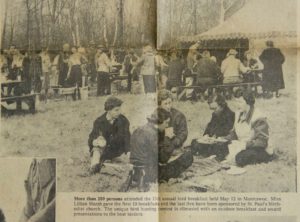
x: 272, y: 78
x: 103, y: 65
x: 35, y: 71
x: 63, y: 65
x: 46, y: 66
x: 147, y: 62
x: 128, y: 68
x: 175, y: 71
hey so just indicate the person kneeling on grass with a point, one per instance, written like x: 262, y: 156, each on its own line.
x: 110, y: 137
x: 144, y: 148
x: 150, y: 152
x: 251, y: 132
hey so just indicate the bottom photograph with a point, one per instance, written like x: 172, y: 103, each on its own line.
x: 28, y: 190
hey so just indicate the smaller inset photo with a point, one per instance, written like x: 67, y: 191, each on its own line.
x: 28, y: 189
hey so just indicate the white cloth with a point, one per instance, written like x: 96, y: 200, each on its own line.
x: 103, y: 63
x: 46, y: 62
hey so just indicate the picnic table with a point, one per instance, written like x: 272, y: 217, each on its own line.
x: 16, y: 97
x: 246, y: 84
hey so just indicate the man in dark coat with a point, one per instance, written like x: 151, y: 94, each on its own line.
x: 110, y: 135
x: 220, y: 125
x: 207, y: 71
x: 272, y: 77
x: 35, y: 71
x: 63, y: 64
x: 175, y: 71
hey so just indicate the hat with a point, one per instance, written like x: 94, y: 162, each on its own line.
x: 111, y: 103
x: 163, y: 95
x: 206, y: 54
x: 232, y: 52
x: 66, y: 47
x: 81, y: 50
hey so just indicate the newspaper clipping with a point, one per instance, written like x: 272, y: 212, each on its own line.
x: 149, y: 110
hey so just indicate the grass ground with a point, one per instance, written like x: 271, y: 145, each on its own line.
x: 61, y: 129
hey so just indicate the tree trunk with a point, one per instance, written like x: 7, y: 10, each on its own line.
x: 4, y: 25
x: 222, y: 12
x: 119, y: 27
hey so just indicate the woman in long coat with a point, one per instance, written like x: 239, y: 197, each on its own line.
x: 272, y: 77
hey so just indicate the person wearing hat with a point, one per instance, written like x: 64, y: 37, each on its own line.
x: 144, y: 146
x: 46, y: 65
x: 110, y: 136
x: 272, y: 78
x: 103, y: 65
x: 148, y: 72
x: 249, y: 139
x: 232, y: 67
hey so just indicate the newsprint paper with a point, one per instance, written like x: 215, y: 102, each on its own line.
x: 149, y: 110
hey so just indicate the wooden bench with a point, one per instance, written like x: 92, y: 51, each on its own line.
x: 29, y: 99
x: 70, y: 91
x: 181, y: 92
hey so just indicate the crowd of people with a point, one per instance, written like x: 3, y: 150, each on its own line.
x: 151, y: 147
x: 148, y: 69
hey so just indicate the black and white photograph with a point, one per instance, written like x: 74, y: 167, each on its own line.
x: 28, y: 189
x: 141, y: 96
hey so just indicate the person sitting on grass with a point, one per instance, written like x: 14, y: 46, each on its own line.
x: 251, y: 132
x: 177, y: 129
x: 110, y: 137
x: 220, y: 126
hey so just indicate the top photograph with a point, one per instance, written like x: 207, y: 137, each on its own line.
x: 153, y: 95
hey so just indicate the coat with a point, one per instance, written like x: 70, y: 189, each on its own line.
x: 144, y: 150
x: 179, y: 124
x: 117, y: 136
x: 221, y: 124
x: 272, y: 77
x: 207, y: 69
x: 175, y: 72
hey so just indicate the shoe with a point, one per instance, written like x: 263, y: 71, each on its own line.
x: 95, y: 169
